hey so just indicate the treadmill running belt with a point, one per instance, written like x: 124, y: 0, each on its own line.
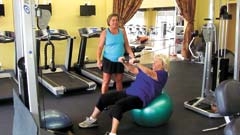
x: 6, y: 87
x: 66, y: 80
x: 126, y: 79
x: 98, y: 72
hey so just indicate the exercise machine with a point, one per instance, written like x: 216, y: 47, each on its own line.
x: 60, y: 80
x: 227, y: 92
x: 24, y: 28
x: 7, y: 78
x: 215, y: 66
x: 197, y: 49
x: 91, y: 70
x: 28, y: 117
x: 227, y: 100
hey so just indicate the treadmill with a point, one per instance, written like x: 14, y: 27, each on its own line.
x: 91, y: 70
x: 7, y: 77
x: 60, y: 80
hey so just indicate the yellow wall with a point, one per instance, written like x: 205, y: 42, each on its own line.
x: 6, y: 23
x: 66, y: 16
x: 202, y: 12
x: 202, y: 8
x: 150, y: 17
x: 150, y: 14
x: 231, y: 28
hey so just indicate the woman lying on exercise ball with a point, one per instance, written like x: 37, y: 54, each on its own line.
x: 148, y: 85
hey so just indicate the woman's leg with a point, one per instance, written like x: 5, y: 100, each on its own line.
x: 118, y: 81
x: 104, y: 101
x: 115, y: 124
x: 95, y: 113
x: 105, y: 83
x: 109, y: 98
x: 121, y: 106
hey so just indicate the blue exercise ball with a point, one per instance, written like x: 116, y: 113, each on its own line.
x: 55, y: 120
x: 158, y: 112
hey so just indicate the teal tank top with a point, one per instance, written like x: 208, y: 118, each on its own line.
x: 114, y: 46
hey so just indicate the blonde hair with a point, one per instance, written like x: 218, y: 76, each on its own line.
x: 165, y: 60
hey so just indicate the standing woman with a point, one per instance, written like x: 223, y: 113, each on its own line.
x: 113, y: 44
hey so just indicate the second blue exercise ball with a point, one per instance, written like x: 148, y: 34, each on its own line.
x: 55, y: 120
x: 156, y: 113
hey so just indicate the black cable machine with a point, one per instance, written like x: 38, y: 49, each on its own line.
x: 7, y: 78
x: 60, y: 80
x: 91, y: 70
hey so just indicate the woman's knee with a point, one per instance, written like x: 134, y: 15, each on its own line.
x: 106, y: 78
x: 116, y: 112
x: 118, y: 77
x: 102, y: 102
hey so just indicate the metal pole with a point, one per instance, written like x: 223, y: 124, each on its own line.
x: 209, y: 32
x: 211, y: 11
x: 24, y: 22
x: 237, y: 41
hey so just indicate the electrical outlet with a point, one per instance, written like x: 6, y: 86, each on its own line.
x: 86, y: 58
x: 1, y: 69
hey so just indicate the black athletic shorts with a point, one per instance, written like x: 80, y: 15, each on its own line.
x: 112, y: 67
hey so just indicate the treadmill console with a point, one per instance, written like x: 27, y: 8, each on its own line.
x: 6, y: 36
x: 55, y: 34
x: 90, y: 32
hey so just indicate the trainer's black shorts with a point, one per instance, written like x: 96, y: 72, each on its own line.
x: 112, y: 67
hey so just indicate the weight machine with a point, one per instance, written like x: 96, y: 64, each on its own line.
x: 227, y: 91
x: 215, y: 65
x: 25, y: 27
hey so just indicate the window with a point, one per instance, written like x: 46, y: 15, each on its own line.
x: 137, y: 19
x: 165, y: 22
x: 136, y: 27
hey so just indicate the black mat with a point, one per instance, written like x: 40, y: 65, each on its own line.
x: 184, y: 84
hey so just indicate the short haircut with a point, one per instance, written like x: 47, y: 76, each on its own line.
x: 165, y: 60
x: 110, y: 17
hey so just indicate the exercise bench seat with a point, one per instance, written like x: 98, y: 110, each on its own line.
x: 228, y: 104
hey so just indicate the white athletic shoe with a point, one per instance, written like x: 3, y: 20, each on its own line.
x: 88, y: 123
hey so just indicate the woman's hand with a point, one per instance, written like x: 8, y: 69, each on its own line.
x: 128, y: 64
x: 121, y: 59
x: 99, y: 64
x: 132, y: 61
